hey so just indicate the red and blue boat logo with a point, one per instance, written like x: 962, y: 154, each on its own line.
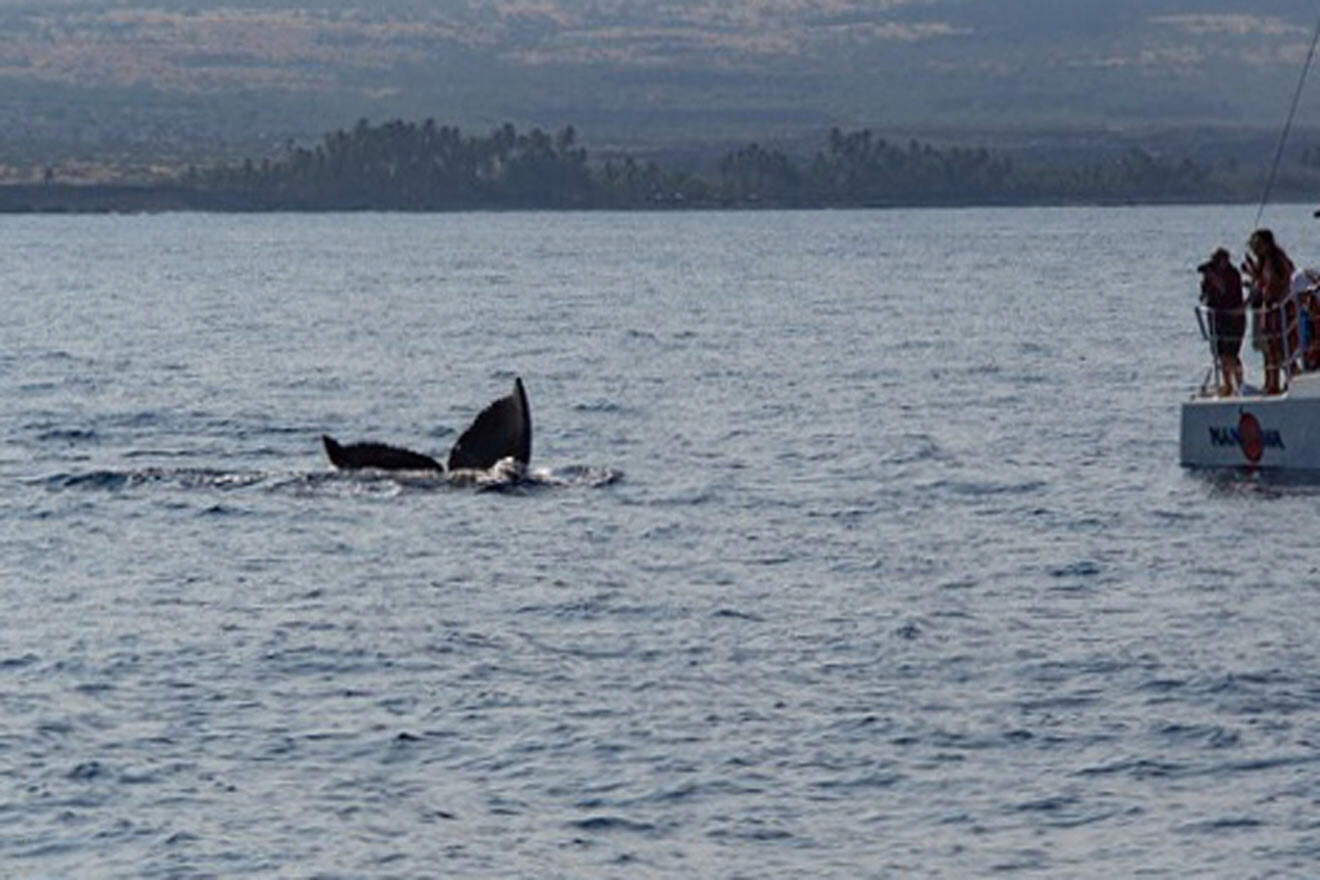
x: 1249, y: 436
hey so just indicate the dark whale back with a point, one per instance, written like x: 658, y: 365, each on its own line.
x: 501, y: 430
x: 377, y: 455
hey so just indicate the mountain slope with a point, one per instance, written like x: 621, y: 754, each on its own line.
x: 183, y: 79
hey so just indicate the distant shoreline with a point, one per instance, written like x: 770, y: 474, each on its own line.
x: 401, y: 166
x: 58, y: 198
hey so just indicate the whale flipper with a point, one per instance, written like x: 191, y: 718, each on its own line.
x: 377, y: 455
x: 501, y: 430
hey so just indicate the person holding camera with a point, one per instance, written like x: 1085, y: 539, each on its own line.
x: 1221, y: 293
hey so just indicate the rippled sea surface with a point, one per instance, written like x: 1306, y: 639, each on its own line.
x: 859, y: 548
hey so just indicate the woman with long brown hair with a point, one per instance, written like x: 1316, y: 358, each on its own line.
x: 1271, y: 274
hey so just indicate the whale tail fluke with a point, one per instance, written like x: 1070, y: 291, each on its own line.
x: 334, y: 451
x: 376, y: 455
x: 501, y: 430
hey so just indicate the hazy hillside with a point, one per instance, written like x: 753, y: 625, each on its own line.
x: 179, y: 80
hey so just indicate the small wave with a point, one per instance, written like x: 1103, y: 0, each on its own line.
x: 1177, y: 516
x: 223, y: 510
x: 1209, y: 735
x: 69, y: 435
x: 1255, y: 766
x: 757, y: 834
x: 598, y: 406
x: 92, y: 480
x: 55, y: 727
x: 1062, y: 701
x: 769, y: 560
x: 92, y: 688
x: 187, y: 478
x: 976, y: 490
x: 612, y: 824
x: 506, y: 476
x: 1163, y: 685
x: 61, y: 356
x: 582, y: 475
x: 915, y: 448
x: 695, y: 498
x: 869, y: 780
x: 163, y: 453
x: 733, y: 614
x: 1046, y: 805
x: 1140, y: 768
x: 18, y: 662
x: 144, y: 419
x: 908, y: 631
x: 87, y: 771
x: 199, y: 478
x: 1082, y: 568
x: 1216, y: 826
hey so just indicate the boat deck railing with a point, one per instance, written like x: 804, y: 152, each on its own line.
x: 1290, y: 328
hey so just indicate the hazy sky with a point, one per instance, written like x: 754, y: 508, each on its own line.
x: 268, y: 69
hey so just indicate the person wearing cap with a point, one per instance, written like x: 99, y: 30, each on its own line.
x: 1221, y: 292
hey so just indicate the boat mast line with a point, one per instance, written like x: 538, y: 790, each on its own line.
x: 1287, y: 126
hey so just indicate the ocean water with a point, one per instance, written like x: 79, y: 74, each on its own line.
x: 858, y: 547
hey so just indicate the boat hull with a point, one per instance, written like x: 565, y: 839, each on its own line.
x: 1255, y: 432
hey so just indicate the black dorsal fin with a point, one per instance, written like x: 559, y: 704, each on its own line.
x: 501, y: 430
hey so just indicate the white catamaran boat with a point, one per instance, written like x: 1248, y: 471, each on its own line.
x: 1228, y: 423
x: 1245, y: 428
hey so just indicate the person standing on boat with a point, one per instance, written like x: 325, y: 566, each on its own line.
x: 1271, y: 274
x: 1221, y: 292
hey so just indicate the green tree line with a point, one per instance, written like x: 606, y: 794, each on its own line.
x: 401, y: 165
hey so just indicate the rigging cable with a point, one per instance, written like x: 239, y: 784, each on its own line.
x: 1287, y: 126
